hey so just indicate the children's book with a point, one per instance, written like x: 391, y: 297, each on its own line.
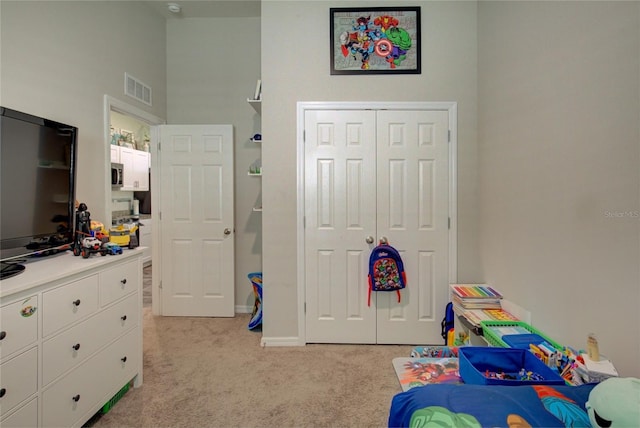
x: 475, y: 291
x: 413, y: 372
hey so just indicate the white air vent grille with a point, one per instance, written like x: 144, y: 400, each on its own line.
x: 136, y: 89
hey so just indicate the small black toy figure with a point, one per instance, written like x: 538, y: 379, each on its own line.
x: 83, y: 219
x: 83, y: 224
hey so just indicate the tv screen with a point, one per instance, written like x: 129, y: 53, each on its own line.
x: 37, y: 187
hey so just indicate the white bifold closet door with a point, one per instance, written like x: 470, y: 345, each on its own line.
x: 369, y: 175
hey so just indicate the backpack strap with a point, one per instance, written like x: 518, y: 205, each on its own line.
x: 404, y: 280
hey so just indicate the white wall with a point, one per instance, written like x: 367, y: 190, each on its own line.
x: 212, y: 68
x: 295, y: 67
x: 59, y: 59
x: 559, y: 166
x: 552, y: 90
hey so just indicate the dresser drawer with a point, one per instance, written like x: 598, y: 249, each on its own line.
x: 119, y: 281
x: 69, y: 303
x: 18, y: 325
x: 18, y: 379
x: 25, y: 417
x: 71, y: 399
x: 62, y: 352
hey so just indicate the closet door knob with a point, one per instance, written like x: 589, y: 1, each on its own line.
x: 3, y: 334
x: 76, y: 346
x: 76, y: 398
x: 369, y: 239
x: 227, y: 231
x: 383, y: 240
x: 76, y: 302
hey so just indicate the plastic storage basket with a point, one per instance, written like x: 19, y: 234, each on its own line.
x: 477, y: 362
x: 490, y: 331
x: 112, y: 402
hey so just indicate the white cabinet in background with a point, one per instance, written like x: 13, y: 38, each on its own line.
x: 135, y: 168
x: 146, y: 231
x: 115, y: 153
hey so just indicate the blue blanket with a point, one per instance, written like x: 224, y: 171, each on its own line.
x: 465, y: 405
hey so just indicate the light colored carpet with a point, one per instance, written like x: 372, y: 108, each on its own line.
x: 146, y: 287
x: 212, y: 372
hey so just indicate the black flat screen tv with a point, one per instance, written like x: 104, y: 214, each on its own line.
x: 37, y: 188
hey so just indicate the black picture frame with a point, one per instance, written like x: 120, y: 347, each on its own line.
x: 376, y: 40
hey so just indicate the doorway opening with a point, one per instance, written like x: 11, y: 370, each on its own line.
x: 129, y: 128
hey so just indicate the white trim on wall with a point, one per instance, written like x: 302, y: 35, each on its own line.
x: 450, y: 106
x: 246, y: 309
x: 280, y: 341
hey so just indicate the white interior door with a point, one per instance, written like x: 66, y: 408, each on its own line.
x: 196, y: 220
x: 339, y: 215
x: 368, y: 175
x: 413, y: 214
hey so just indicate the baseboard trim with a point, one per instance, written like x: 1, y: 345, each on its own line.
x: 243, y: 309
x: 280, y: 341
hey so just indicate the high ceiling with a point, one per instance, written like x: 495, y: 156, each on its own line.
x: 207, y: 8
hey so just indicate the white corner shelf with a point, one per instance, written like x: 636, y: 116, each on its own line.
x: 256, y: 104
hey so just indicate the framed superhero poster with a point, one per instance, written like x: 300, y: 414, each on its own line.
x: 381, y: 40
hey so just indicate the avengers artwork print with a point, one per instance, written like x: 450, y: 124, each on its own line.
x: 383, y: 40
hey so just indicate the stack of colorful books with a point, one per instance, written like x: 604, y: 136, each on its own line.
x: 478, y: 302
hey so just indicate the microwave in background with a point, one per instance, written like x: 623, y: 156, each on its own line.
x: 117, y: 181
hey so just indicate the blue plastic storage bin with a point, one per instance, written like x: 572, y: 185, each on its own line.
x: 522, y: 341
x: 476, y: 361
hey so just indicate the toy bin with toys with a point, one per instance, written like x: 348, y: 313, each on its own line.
x: 483, y: 365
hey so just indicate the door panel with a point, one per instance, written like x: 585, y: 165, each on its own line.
x: 412, y: 212
x: 339, y: 215
x: 196, y: 204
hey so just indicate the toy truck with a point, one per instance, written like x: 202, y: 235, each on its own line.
x: 124, y: 235
x: 88, y: 245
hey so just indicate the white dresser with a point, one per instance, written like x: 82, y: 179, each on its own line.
x: 70, y: 337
